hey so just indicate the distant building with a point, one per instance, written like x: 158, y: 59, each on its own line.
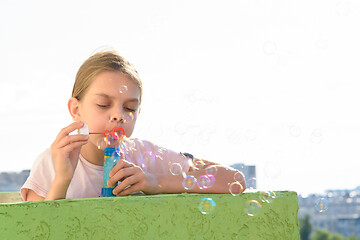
x: 342, y: 214
x: 250, y: 173
x: 13, y: 181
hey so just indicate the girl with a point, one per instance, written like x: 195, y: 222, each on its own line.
x: 106, y: 95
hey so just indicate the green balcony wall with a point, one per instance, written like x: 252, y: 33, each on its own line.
x: 170, y: 216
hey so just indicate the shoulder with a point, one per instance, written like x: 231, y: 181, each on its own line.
x: 158, y: 158
x: 43, y: 158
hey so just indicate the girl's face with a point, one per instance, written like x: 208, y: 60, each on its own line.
x: 112, y: 100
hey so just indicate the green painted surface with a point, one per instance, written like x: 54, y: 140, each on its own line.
x: 171, y: 216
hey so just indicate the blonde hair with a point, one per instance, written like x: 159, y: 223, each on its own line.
x: 99, y: 62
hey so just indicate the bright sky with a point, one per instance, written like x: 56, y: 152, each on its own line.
x: 267, y: 83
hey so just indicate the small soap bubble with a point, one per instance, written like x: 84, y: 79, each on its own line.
x: 207, y: 205
x: 343, y: 8
x: 239, y: 176
x: 123, y: 89
x: 101, y: 143
x: 189, y: 182
x: 273, y: 194
x: 269, y: 48
x: 111, y: 140
x: 148, y: 158
x: 162, y: 151
x: 175, y: 168
x: 252, y: 207
x: 251, y: 183
x: 295, y: 131
x: 205, y: 181
x: 236, y: 188
x: 116, y: 154
x: 129, y: 116
x: 321, y: 205
x: 316, y: 136
x: 211, y: 170
x: 122, y: 148
x: 265, y: 196
x: 117, y: 135
x: 198, y: 163
x: 251, y: 135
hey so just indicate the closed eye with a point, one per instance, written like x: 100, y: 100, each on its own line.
x: 102, y: 106
x: 130, y: 109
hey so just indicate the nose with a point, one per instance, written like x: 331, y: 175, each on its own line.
x: 117, y: 116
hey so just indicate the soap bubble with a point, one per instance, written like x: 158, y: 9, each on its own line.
x: 175, y: 169
x: 189, y: 182
x: 343, y: 8
x: 198, y: 163
x: 269, y: 48
x: 251, y: 183
x: 236, y: 188
x: 316, y: 136
x: 265, y: 196
x: 321, y: 205
x: 162, y: 151
x: 117, y: 135
x: 111, y: 140
x: 295, y: 131
x: 211, y: 170
x: 251, y: 135
x: 129, y: 116
x: 207, y: 205
x: 205, y: 181
x: 252, y: 207
x: 239, y: 176
x: 123, y: 89
x: 116, y: 154
x: 147, y: 159
x: 101, y: 143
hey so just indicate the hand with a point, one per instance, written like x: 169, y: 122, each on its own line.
x: 132, y: 178
x: 65, y: 151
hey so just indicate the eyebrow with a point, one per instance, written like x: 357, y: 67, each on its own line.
x: 107, y: 96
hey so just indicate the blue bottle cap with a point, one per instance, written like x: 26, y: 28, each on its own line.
x: 109, y: 151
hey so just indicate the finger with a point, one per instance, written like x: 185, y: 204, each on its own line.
x: 121, y: 174
x: 130, y: 190
x: 120, y: 165
x: 71, y: 139
x: 132, y: 180
x: 74, y: 145
x: 70, y: 128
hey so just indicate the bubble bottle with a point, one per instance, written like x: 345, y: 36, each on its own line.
x: 112, y: 155
x: 111, y: 158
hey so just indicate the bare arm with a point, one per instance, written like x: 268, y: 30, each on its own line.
x: 223, y: 178
x: 135, y: 179
x: 65, y: 153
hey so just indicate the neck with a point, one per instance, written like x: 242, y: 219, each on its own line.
x: 92, y: 154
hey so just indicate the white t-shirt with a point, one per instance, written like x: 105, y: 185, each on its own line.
x: 88, y: 178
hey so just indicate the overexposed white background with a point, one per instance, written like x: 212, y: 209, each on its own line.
x: 266, y: 83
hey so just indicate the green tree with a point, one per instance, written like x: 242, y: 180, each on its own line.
x: 305, y: 228
x: 352, y: 237
x: 321, y: 235
x: 336, y: 236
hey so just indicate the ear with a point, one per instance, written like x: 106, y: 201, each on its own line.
x: 139, y: 111
x: 73, y: 106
